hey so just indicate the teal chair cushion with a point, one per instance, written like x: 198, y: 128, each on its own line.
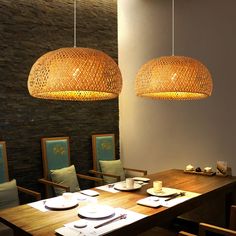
x: 65, y: 176
x: 112, y: 167
x: 8, y: 194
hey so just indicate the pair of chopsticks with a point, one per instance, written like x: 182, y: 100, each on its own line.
x: 175, y: 195
x: 120, y: 217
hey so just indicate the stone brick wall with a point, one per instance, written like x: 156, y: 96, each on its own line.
x: 29, y: 29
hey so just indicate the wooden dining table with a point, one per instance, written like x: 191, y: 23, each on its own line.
x: 26, y: 220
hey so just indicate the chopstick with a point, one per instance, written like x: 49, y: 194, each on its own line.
x: 123, y: 216
x: 175, y: 195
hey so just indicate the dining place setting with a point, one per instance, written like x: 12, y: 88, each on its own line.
x: 160, y: 196
x: 97, y: 219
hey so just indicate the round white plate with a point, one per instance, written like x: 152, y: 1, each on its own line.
x: 122, y: 186
x: 141, y: 179
x: 60, y: 204
x: 166, y: 192
x: 96, y: 211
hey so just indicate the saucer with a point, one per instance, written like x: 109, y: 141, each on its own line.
x: 60, y: 204
x: 122, y: 186
x: 165, y: 192
x: 96, y: 212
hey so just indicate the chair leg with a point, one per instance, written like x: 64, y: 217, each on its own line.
x: 5, y: 230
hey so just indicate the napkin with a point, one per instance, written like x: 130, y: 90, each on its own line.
x: 108, y: 188
x: 150, y: 202
x: 70, y: 230
x: 39, y: 205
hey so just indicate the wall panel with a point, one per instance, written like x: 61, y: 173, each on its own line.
x: 29, y: 29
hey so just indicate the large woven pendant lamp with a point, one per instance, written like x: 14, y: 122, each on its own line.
x: 82, y: 74
x: 174, y: 77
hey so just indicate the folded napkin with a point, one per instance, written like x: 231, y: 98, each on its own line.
x: 39, y: 205
x: 70, y: 230
x: 108, y: 188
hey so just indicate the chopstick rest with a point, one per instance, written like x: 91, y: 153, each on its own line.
x: 120, y: 217
x: 80, y: 224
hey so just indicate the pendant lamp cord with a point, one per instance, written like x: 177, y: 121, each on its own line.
x: 173, y: 27
x: 74, y: 23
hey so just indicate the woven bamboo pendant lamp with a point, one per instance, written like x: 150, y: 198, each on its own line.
x: 174, y: 77
x: 77, y: 74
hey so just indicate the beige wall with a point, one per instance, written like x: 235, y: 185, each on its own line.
x: 158, y: 135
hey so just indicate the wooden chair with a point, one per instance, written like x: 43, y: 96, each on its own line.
x: 56, y: 156
x: 7, y: 187
x: 103, y: 146
x: 232, y: 221
x: 205, y: 229
x: 5, y: 230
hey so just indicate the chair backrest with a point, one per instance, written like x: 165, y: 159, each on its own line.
x: 55, y: 154
x: 8, y: 189
x: 4, y: 177
x: 103, y: 148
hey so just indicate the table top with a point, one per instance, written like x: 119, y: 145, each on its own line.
x: 36, y: 222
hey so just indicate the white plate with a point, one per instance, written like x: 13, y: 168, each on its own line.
x: 60, y: 204
x: 96, y: 211
x: 149, y: 201
x: 141, y: 179
x: 122, y: 186
x: 90, y: 192
x: 166, y: 192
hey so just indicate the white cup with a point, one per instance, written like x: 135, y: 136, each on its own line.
x: 67, y: 196
x: 208, y: 169
x: 129, y: 183
x: 93, y: 205
x: 157, y: 186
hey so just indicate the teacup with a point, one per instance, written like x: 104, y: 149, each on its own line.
x: 93, y: 204
x: 208, y: 169
x: 157, y: 186
x: 129, y: 183
x: 67, y: 196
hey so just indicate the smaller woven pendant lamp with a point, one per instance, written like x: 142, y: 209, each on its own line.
x: 174, y: 77
x: 77, y: 74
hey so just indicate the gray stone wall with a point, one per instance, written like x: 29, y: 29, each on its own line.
x: 30, y: 28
